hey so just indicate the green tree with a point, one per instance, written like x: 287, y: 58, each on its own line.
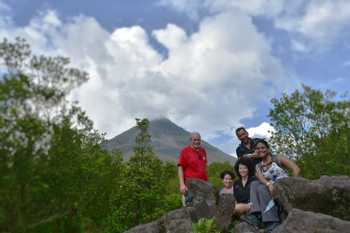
x: 49, y: 152
x: 330, y: 158
x: 302, y: 118
x: 313, y: 126
x: 141, y: 196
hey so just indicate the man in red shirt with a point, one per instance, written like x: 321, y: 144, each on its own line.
x: 192, y: 162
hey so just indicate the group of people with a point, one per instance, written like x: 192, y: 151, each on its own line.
x: 256, y: 170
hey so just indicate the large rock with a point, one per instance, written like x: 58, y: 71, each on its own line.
x: 244, y: 227
x: 328, y: 195
x: 308, y: 222
x: 204, y: 198
x: 224, y: 211
x: 203, y: 206
x: 152, y: 227
x: 320, y: 206
x: 177, y: 221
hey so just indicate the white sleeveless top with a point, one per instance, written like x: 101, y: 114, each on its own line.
x: 274, y: 172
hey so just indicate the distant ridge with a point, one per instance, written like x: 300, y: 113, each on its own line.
x: 167, y: 141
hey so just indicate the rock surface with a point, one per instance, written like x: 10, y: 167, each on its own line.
x: 313, y: 206
x: 204, y: 199
x: 244, y: 227
x: 308, y: 222
x: 224, y: 211
x: 328, y: 195
x: 203, y: 206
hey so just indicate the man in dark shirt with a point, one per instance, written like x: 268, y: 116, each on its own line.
x: 247, y: 146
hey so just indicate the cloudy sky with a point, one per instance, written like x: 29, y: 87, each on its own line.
x: 209, y: 66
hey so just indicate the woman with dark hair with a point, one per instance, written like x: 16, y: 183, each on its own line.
x: 241, y: 187
x: 268, y: 171
x: 227, y: 180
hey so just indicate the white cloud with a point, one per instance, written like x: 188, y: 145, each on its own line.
x: 321, y: 22
x: 251, y: 7
x: 315, y: 24
x: 264, y: 130
x: 299, y: 46
x: 210, y: 80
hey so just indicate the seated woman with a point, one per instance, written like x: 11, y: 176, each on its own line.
x: 227, y: 180
x: 241, y: 187
x: 269, y: 170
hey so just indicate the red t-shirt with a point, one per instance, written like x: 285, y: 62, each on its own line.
x: 193, y: 163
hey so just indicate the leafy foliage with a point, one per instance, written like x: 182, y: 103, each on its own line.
x: 54, y: 176
x: 205, y: 226
x: 142, y: 188
x: 313, y: 126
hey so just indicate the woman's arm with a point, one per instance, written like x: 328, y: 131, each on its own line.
x: 289, y: 164
x: 263, y: 180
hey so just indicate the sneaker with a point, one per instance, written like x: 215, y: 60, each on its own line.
x: 270, y: 226
x: 252, y: 219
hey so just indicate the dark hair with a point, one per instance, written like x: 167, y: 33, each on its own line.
x: 248, y: 163
x: 226, y: 172
x: 260, y: 140
x: 239, y: 129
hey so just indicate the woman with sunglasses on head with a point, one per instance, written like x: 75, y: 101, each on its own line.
x: 241, y: 187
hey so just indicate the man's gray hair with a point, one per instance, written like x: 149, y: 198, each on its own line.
x: 192, y: 134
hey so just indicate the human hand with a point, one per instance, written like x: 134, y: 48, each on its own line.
x: 252, y: 155
x: 270, y: 187
x: 183, y: 188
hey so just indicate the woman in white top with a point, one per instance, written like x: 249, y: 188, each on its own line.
x: 270, y: 169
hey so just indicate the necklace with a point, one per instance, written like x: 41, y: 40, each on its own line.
x: 266, y: 165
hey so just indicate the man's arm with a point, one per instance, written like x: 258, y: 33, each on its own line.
x: 238, y: 152
x: 183, y: 187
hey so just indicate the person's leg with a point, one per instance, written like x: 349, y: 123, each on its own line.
x: 268, y: 214
x: 241, y: 208
x: 254, y: 197
x: 254, y: 214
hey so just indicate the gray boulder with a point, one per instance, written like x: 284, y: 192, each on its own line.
x: 203, y: 206
x: 224, y: 211
x: 152, y: 227
x: 320, y: 206
x: 204, y: 199
x: 327, y: 195
x: 177, y: 221
x: 244, y: 227
x: 308, y: 222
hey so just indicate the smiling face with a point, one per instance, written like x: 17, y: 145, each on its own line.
x: 243, y: 136
x: 195, y: 140
x: 227, y: 181
x: 261, y: 150
x: 243, y: 170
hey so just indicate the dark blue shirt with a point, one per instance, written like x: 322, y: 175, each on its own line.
x: 243, y: 150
